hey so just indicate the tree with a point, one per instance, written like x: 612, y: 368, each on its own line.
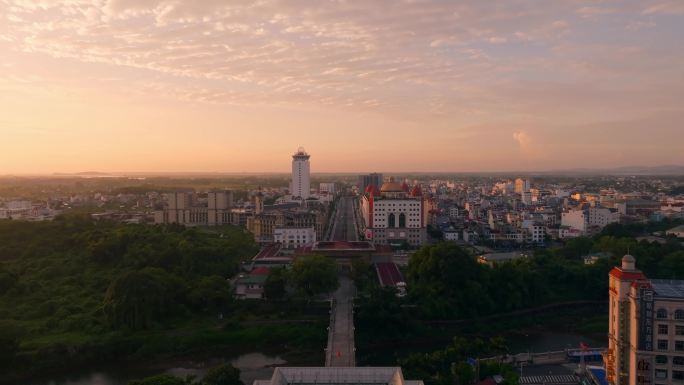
x: 9, y: 347
x: 463, y: 373
x: 162, y: 379
x: 137, y: 298
x: 362, y: 274
x: 313, y: 275
x: 448, y: 282
x: 672, y: 265
x: 211, y: 294
x: 274, y: 287
x: 225, y: 374
x: 7, y: 280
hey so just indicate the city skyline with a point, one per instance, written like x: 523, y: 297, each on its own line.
x: 417, y: 86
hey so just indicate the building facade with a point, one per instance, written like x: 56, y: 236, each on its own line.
x: 185, y: 208
x: 589, y: 221
x: 601, y: 217
x: 366, y: 375
x: 327, y: 188
x: 374, y: 179
x: 294, y: 237
x: 646, y: 328
x: 393, y: 214
x: 300, y: 187
x: 263, y: 226
x: 522, y: 186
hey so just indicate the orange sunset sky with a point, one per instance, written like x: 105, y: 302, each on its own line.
x: 387, y: 85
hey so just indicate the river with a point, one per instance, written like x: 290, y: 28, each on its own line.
x: 258, y: 365
x: 252, y: 366
x: 532, y: 342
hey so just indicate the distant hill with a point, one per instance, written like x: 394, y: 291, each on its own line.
x: 628, y: 170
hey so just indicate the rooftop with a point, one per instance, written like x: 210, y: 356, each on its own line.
x: 269, y: 251
x: 668, y: 288
x: 252, y: 279
x: 343, y: 245
x: 337, y: 376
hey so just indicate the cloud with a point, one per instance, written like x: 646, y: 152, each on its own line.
x: 594, y: 11
x: 522, y: 138
x: 667, y: 7
x: 452, y: 59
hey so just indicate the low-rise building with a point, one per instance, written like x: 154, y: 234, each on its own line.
x: 366, y: 375
x: 676, y: 231
x: 250, y: 287
x: 492, y: 259
x: 294, y: 237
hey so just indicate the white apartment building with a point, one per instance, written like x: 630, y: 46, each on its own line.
x: 522, y: 186
x: 575, y: 219
x: 328, y: 188
x: 19, y: 205
x: 602, y: 217
x: 294, y: 237
x: 300, y: 187
x: 535, y: 231
x: 453, y: 212
x: 526, y: 198
x: 589, y: 220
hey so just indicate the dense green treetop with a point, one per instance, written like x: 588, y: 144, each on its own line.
x: 80, y: 276
x: 313, y: 275
x: 224, y: 374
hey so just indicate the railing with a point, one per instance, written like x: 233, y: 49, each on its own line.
x: 331, y: 332
x: 352, y: 343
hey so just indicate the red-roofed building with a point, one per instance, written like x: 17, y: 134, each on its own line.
x: 394, y: 214
x: 261, y: 270
x: 645, y: 328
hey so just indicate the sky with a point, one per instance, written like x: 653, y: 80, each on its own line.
x: 381, y: 85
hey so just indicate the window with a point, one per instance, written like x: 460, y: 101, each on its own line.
x: 391, y: 219
x: 662, y: 329
x: 678, y: 360
x: 677, y: 375
x: 661, y: 313
x: 661, y: 374
x: 679, y: 330
x: 662, y: 360
x: 662, y: 344
x: 679, y: 314
x: 679, y: 346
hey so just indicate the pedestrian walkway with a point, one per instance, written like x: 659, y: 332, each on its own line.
x: 341, y: 349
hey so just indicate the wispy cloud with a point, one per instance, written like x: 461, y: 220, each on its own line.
x: 438, y: 63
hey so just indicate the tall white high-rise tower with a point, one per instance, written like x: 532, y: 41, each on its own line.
x: 301, y: 182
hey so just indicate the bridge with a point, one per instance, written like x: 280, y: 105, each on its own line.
x: 341, y: 350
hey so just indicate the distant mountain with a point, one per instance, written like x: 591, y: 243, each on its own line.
x: 629, y: 170
x: 85, y: 174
